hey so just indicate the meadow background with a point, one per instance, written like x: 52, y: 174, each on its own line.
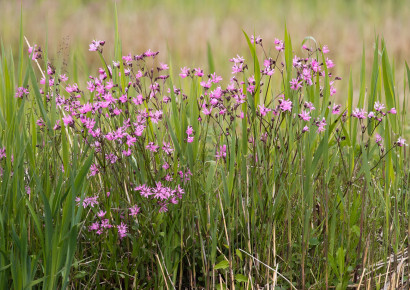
x: 182, y: 30
x: 286, y: 187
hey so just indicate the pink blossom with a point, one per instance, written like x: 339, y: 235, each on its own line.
x: 150, y: 53
x: 238, y: 59
x: 321, y: 125
x: 184, y: 72
x: 401, y: 142
x: 263, y: 111
x: 206, y: 84
x: 379, y: 139
x: 72, y: 89
x: 310, y: 106
x: 215, y: 78
x: 167, y: 148
x: 305, y: 115
x: 359, y: 113
x: 336, y: 109
x: 163, y: 66
x: 21, y: 92
x: 205, y: 110
x: 378, y: 106
x: 256, y: 40
x: 198, y: 72
x: 94, y: 226
x: 96, y: 45
x: 40, y: 122
x: 285, y: 105
x: 93, y: 170
x: 101, y: 213
x: 221, y: 153
x: 325, y: 49
x: 3, y: 153
x: 152, y: 147
x: 68, y: 120
x: 88, y: 201
x: 134, y: 210
x: 392, y: 111
x: 315, y: 65
x: 305, y: 129
x: 189, y: 130
x: 279, y: 45
x: 295, y: 84
x: 329, y: 63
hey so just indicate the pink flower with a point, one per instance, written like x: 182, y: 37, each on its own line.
x: 72, y: 89
x: 63, y: 78
x: 310, y: 106
x: 68, y: 120
x: 150, y: 53
x: 167, y: 148
x: 152, y: 147
x: 401, y: 142
x: 88, y: 201
x: 163, y: 66
x: 101, y: 213
x: 221, y: 153
x: 111, y: 157
x: 94, y: 226
x: 378, y: 106
x: 263, y: 111
x: 96, y: 45
x: 184, y: 72
x: 305, y: 129
x: 206, y: 84
x: 238, y: 59
x: 3, y: 153
x: 93, y: 170
x: 315, y: 65
x: 189, y: 130
x: 198, y: 72
x: 134, y: 210
x: 336, y: 109
x: 329, y: 63
x: 305, y: 115
x: 21, y: 92
x: 256, y: 40
x: 105, y: 223
x: 359, y: 113
x: 295, y: 84
x: 215, y: 78
x: 285, y: 105
x: 131, y: 140
x: 279, y: 45
x: 205, y: 110
x: 325, y: 49
x: 379, y: 140
x: 392, y: 111
x: 40, y: 122
x: 190, y: 139
x: 321, y: 125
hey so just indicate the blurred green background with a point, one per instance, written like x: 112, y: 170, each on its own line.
x: 181, y: 29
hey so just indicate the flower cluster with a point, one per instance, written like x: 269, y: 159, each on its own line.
x: 120, y: 114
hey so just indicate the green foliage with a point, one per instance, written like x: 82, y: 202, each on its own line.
x: 310, y: 209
